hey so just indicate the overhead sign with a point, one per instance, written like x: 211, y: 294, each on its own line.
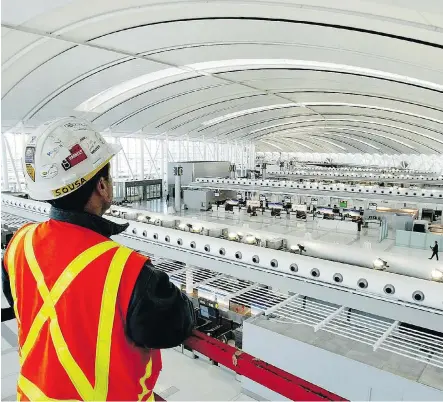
x: 178, y: 171
x: 287, y: 200
x: 372, y: 206
x: 314, y: 201
x: 262, y: 198
x: 343, y: 204
x: 216, y: 194
x: 239, y: 196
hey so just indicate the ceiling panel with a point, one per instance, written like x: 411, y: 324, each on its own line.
x: 215, y: 69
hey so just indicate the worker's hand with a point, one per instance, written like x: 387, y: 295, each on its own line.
x: 234, y: 357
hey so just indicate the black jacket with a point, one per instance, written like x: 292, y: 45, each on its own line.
x: 159, y: 315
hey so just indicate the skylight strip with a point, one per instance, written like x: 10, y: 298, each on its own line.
x: 245, y: 112
x: 300, y: 143
x: 324, y: 129
x: 332, y: 143
x: 273, y: 145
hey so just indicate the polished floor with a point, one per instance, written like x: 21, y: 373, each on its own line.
x: 367, y: 238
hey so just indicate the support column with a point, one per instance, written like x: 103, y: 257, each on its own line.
x: 232, y: 171
x: 263, y: 166
x: 163, y: 163
x: 242, y: 167
x: 142, y: 159
x: 11, y: 157
x: 5, y: 176
x: 178, y: 172
x: 116, y: 164
x: 189, y: 281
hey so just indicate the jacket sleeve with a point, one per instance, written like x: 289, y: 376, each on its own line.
x: 159, y: 315
x: 6, y: 286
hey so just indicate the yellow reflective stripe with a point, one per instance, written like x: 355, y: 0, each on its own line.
x: 62, y: 283
x: 75, y: 373
x: 142, y: 381
x: 32, y: 392
x: 78, y: 378
x: 106, y: 322
x: 11, y: 265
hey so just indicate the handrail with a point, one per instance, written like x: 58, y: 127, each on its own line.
x: 271, y: 377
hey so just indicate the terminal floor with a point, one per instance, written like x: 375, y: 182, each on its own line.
x: 182, y: 378
x: 367, y: 238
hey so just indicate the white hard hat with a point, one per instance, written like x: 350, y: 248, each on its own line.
x: 62, y: 155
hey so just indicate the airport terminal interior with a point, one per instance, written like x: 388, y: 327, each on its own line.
x: 281, y: 161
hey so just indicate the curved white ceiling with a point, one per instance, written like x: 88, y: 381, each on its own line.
x: 361, y: 76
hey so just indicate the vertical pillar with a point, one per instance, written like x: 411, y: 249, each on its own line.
x: 264, y: 171
x: 187, y: 148
x: 142, y: 159
x: 189, y: 281
x: 242, y: 167
x: 232, y: 169
x: 11, y: 158
x: 5, y: 176
x: 165, y: 159
x: 117, y: 162
x: 178, y: 172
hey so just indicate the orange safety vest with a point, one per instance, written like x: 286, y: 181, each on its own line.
x: 71, y: 288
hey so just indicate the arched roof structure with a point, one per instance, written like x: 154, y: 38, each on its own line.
x: 317, y: 76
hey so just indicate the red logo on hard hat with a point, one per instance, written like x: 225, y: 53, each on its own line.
x: 77, y: 156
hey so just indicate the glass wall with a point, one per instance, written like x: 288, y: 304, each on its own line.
x: 142, y: 158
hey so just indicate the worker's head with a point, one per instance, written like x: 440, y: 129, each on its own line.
x: 94, y: 196
x: 436, y: 242
x: 66, y: 163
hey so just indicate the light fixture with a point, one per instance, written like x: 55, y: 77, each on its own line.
x: 240, y: 234
x: 141, y: 218
x: 250, y: 239
x: 196, y: 228
x: 437, y: 275
x: 182, y: 226
x: 380, y: 264
x: 232, y: 236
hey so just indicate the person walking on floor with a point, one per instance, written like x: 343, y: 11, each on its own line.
x: 167, y: 198
x: 434, y: 250
x: 359, y: 223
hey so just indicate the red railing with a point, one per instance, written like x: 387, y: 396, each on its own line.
x: 269, y: 376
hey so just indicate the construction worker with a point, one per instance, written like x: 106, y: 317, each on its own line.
x: 92, y: 314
